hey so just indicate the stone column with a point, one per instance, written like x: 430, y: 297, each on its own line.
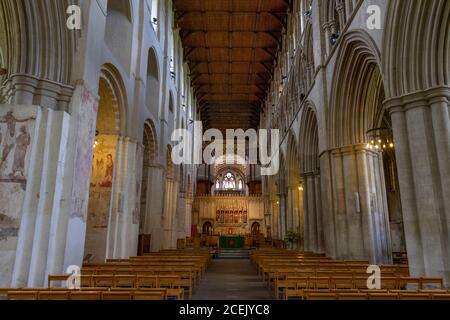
x: 282, y: 215
x: 348, y: 8
x: 329, y: 223
x: 155, y: 206
x: 188, y: 216
x: 341, y: 12
x: 120, y: 239
x: 421, y: 125
x: 327, y: 31
x: 310, y: 202
x: 360, y: 205
x: 290, y: 210
x: 274, y: 217
x: 319, y: 214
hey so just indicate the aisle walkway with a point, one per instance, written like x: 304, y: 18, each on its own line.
x: 229, y: 279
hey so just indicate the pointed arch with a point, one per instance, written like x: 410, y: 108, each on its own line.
x: 357, y: 92
x: 416, y: 47
x: 309, y: 140
x: 293, y: 160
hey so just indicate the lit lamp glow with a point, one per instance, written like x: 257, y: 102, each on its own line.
x: 380, y: 139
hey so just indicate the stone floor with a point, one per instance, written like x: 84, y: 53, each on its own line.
x: 232, y: 279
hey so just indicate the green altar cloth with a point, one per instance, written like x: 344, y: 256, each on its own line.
x: 232, y: 242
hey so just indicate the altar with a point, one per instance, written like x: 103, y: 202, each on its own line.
x: 231, y: 242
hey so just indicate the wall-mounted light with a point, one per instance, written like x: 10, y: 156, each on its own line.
x: 333, y: 38
x: 96, y: 142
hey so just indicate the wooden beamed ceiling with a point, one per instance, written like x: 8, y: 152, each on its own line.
x: 231, y: 48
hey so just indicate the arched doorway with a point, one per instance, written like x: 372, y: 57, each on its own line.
x: 149, y: 143
x: 256, y: 229
x: 109, y: 129
x: 207, y: 228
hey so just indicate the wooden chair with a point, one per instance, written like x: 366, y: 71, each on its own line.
x: 389, y: 283
x: 122, y: 296
x: 437, y: 291
x: 22, y: 295
x: 103, y: 281
x: 85, y: 295
x: 86, y: 281
x: 431, y: 283
x: 175, y: 294
x: 414, y: 296
x: 341, y: 283
x: 53, y: 295
x: 125, y: 281
x: 321, y: 296
x: 360, y: 283
x: 352, y: 296
x: 321, y: 283
x: 144, y: 295
x: 146, y: 281
x: 408, y: 283
x: 58, y: 278
x: 441, y: 297
x: 383, y: 296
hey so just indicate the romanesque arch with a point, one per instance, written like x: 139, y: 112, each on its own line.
x: 153, y: 92
x: 150, y: 144
x: 37, y: 62
x: 110, y: 129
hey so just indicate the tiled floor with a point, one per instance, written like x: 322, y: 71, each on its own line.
x: 229, y: 279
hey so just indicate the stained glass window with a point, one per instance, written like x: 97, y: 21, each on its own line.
x: 229, y: 182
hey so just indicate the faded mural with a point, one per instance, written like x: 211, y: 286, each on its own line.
x: 100, y: 192
x: 83, y: 157
x: 16, y: 126
x: 138, y: 183
x: 16, y: 137
x: 101, y: 181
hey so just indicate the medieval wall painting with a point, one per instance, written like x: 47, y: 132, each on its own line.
x: 138, y: 183
x: 16, y: 134
x: 100, y: 196
x: 83, y: 154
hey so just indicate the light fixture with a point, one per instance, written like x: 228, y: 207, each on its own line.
x: 300, y: 188
x: 333, y: 38
x: 380, y: 139
x: 96, y: 142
